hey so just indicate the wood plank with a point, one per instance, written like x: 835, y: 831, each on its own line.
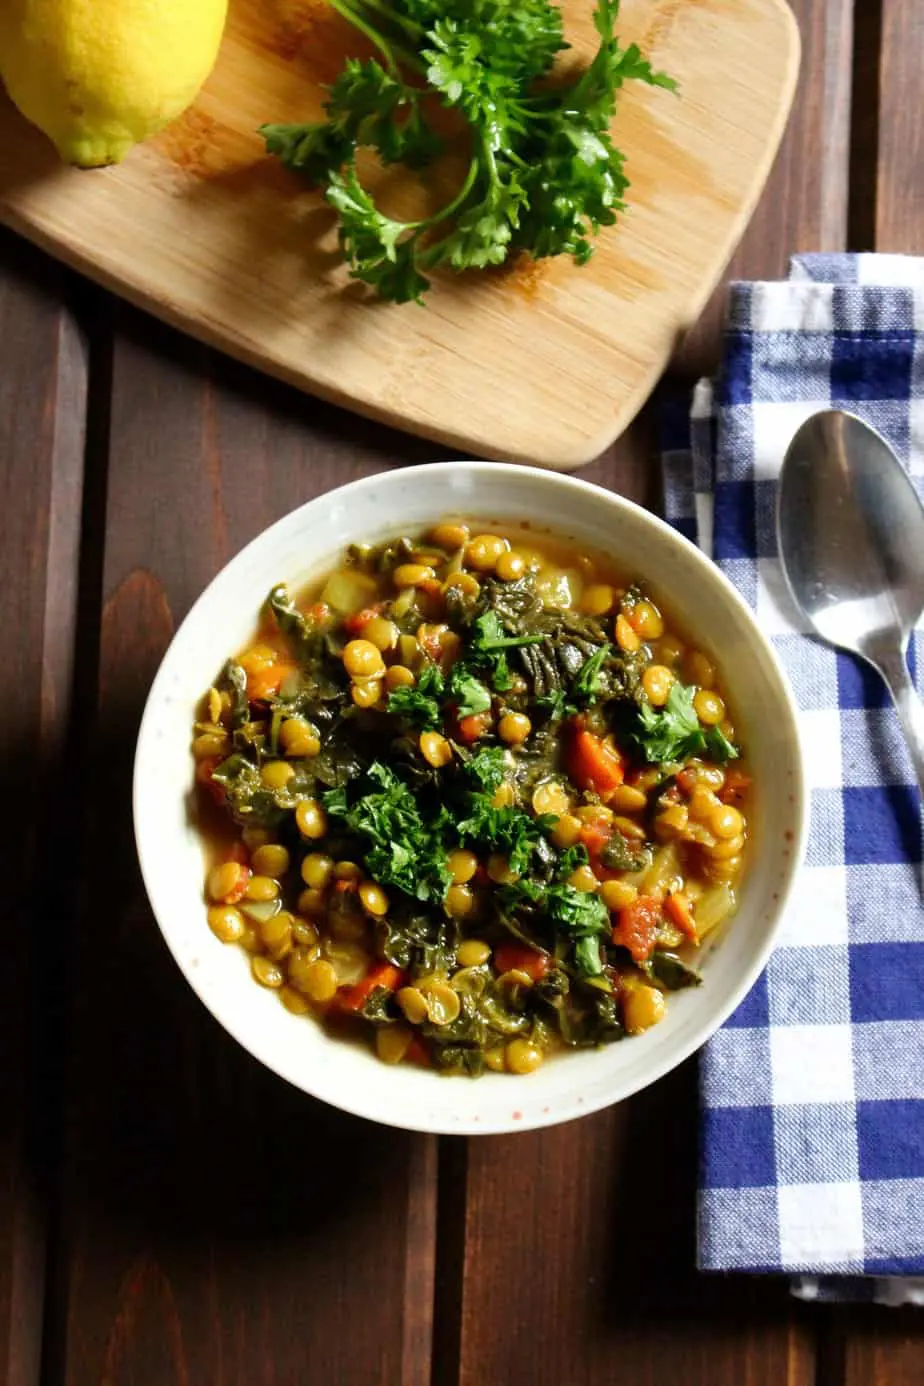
x: 42, y: 394
x: 579, y: 1243
x: 579, y: 1262
x: 871, y: 1346
x: 219, y: 1227
x: 201, y: 228
x: 804, y: 205
x: 900, y: 165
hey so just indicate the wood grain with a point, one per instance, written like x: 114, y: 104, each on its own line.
x: 599, y: 1246
x: 218, y: 1227
x: 899, y: 196
x: 199, y: 227
x: 804, y: 205
x: 42, y: 386
x: 579, y: 1250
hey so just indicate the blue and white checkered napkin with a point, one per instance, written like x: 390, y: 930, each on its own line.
x: 812, y: 1158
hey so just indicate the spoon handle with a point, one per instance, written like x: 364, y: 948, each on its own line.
x: 894, y: 670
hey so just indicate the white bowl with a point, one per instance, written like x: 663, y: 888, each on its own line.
x: 305, y: 545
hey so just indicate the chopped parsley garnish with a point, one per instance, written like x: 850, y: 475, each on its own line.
x: 674, y: 732
x: 401, y: 849
x: 488, y: 767
x: 588, y: 682
x: 468, y: 693
x: 419, y: 705
x: 585, y: 919
x: 508, y: 830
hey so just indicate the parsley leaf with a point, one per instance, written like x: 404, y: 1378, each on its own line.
x: 589, y: 683
x: 570, y: 859
x: 674, y: 732
x: 488, y: 767
x: 544, y: 175
x: 469, y: 694
x: 490, y: 636
x: 556, y: 704
x: 401, y: 850
x: 419, y: 705
x: 508, y: 830
x: 584, y: 917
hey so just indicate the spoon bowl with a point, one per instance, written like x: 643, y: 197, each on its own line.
x: 850, y: 529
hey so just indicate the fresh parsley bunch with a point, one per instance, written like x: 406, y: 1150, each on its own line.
x: 544, y: 174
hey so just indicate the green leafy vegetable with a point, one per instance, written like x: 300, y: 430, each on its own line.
x: 570, y: 859
x: 674, y: 732
x: 401, y: 850
x: 488, y: 767
x: 236, y: 679
x: 543, y: 174
x: 584, y: 917
x: 671, y: 971
x: 588, y: 683
x: 468, y: 693
x: 419, y: 705
x: 302, y: 635
x: 506, y: 830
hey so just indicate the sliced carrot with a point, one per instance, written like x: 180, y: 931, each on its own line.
x: 381, y: 974
x: 637, y: 927
x: 677, y: 909
x: 266, y: 683
x: 594, y: 765
x: 517, y: 957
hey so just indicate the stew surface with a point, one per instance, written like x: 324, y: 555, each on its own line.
x: 481, y: 802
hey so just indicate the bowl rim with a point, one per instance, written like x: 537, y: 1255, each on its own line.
x: 799, y: 823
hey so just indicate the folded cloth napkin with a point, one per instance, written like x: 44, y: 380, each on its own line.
x: 812, y: 1132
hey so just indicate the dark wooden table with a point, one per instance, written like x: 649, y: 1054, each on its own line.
x: 170, y: 1214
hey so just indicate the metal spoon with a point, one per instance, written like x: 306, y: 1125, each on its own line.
x: 850, y: 529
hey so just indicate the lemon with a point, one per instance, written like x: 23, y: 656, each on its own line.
x: 98, y: 76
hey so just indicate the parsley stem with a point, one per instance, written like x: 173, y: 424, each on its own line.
x: 409, y: 26
x: 457, y: 201
x: 385, y: 47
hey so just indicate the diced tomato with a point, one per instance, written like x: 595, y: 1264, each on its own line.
x: 595, y: 834
x: 430, y: 644
x: 593, y: 764
x: 517, y: 957
x: 381, y: 974
x: 677, y: 909
x: 637, y: 927
x: 354, y: 624
x: 264, y: 684
x: 470, y: 728
x: 319, y: 613
x: 417, y: 1053
x: 345, y: 887
x: 736, y: 785
x: 204, y: 772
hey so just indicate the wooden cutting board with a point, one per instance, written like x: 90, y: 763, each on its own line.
x: 545, y: 362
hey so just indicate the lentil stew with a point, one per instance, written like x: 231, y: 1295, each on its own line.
x: 483, y: 803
